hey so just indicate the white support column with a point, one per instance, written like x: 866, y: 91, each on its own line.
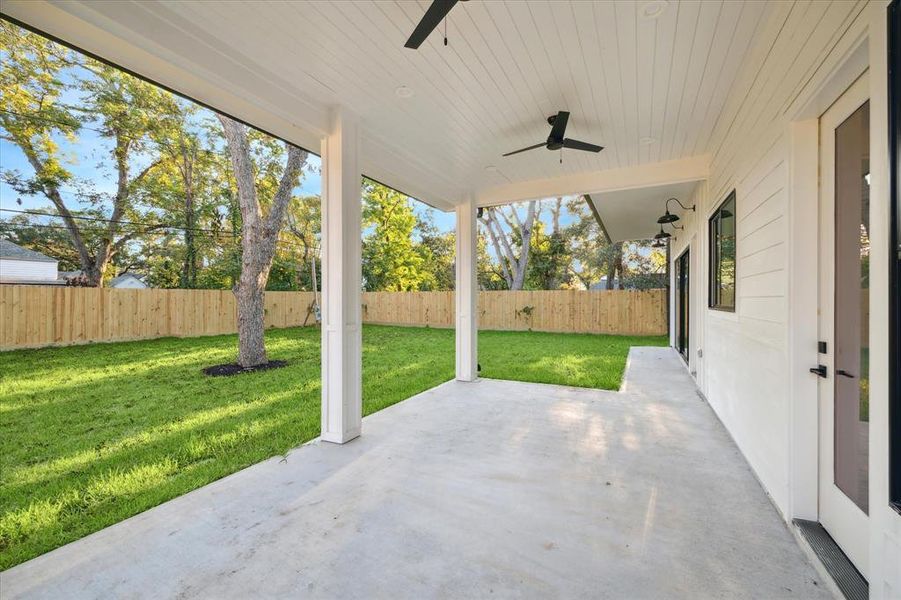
x: 467, y: 292
x: 342, y: 343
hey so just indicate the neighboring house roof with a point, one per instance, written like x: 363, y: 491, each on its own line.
x: 12, y: 251
x: 115, y: 281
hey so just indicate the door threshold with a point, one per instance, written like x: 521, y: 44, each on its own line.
x: 843, y: 573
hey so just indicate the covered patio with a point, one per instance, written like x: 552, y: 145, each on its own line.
x: 683, y: 484
x: 468, y: 490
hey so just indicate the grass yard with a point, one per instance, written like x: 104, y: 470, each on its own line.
x: 90, y: 435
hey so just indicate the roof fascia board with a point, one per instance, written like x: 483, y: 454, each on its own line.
x: 694, y: 168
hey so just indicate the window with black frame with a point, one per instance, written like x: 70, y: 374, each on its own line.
x: 722, y: 238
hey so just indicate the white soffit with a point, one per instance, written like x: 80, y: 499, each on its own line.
x: 648, y: 89
x: 632, y: 214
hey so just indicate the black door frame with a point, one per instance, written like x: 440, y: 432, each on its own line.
x: 683, y: 302
x: 894, y: 135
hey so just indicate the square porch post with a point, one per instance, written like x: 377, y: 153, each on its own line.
x: 466, y: 293
x: 342, y: 344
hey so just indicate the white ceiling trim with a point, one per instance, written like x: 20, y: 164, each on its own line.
x: 694, y: 168
x: 651, y: 90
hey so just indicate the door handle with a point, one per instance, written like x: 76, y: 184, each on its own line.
x: 844, y: 373
x: 819, y: 370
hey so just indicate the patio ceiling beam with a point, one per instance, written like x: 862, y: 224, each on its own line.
x: 466, y: 293
x: 694, y: 168
x: 342, y: 343
x: 597, y: 217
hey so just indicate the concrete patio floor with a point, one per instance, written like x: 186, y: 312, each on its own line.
x: 492, y: 488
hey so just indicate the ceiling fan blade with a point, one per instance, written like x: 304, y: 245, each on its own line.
x: 433, y: 16
x: 559, y: 126
x: 577, y: 145
x: 541, y: 145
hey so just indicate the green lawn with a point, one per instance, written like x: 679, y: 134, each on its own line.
x: 90, y: 435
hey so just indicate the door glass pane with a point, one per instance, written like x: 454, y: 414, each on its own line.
x: 852, y: 305
x: 682, y: 312
x: 727, y: 252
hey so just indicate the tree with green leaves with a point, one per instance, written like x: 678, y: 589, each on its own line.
x: 644, y: 266
x: 304, y: 232
x: 186, y: 183
x: 550, y: 257
x: 37, y: 75
x: 589, y: 246
x: 391, y: 261
x: 438, y: 252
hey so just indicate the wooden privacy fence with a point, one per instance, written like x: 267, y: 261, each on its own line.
x: 620, y: 312
x: 34, y: 316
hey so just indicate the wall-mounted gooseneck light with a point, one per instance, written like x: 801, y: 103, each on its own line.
x: 669, y: 217
x: 662, y: 235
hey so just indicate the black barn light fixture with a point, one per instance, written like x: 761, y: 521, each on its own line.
x: 662, y: 235
x: 669, y: 217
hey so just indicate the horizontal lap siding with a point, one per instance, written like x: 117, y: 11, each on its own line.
x: 745, y: 359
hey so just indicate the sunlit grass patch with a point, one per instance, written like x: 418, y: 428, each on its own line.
x: 579, y: 360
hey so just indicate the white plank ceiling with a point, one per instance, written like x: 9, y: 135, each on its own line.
x: 648, y: 89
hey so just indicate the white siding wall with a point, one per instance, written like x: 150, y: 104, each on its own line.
x: 744, y: 371
x: 30, y: 270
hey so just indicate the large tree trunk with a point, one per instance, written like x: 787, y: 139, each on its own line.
x: 615, y: 265
x: 525, y: 228
x: 514, y: 267
x: 250, y: 294
x: 556, y: 209
x: 259, y: 235
x: 189, y: 269
x: 489, y: 225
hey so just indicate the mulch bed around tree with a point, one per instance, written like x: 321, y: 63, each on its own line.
x: 236, y: 369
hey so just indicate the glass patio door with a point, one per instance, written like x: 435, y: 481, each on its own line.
x: 682, y: 304
x: 844, y: 225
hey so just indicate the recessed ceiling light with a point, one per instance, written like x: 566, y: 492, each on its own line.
x: 653, y: 9
x: 647, y: 141
x: 491, y: 169
x: 404, y: 92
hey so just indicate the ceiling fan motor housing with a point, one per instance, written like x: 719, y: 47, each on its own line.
x: 557, y: 139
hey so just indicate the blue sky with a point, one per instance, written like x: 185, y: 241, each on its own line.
x: 86, y: 158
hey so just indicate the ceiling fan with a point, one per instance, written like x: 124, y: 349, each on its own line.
x: 556, y: 141
x: 433, y: 16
